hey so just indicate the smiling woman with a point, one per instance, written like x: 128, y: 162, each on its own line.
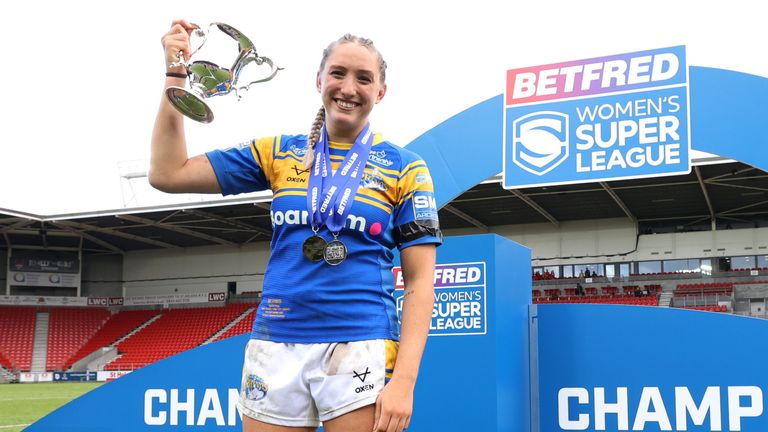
x: 357, y: 198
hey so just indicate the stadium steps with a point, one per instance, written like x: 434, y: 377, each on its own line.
x: 136, y: 330
x: 245, y: 325
x: 224, y: 329
x: 178, y: 330
x: 100, y: 345
x: 665, y: 299
x: 108, y: 357
x: 40, y: 346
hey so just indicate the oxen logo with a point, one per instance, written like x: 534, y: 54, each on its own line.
x: 540, y: 141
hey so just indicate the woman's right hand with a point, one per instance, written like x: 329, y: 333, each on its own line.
x: 175, y: 41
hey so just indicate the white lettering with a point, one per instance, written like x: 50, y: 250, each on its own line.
x: 327, y: 200
x: 344, y: 199
x: 619, y: 408
x: 743, y: 402
x: 187, y: 407
x: 356, y: 223
x: 301, y: 217
x: 563, y: 414
x: 635, y: 157
x: 210, y: 408
x: 709, y: 403
x: 586, y: 77
x: 423, y: 201
x: 349, y: 164
x: 651, y: 396
x: 638, y: 70
x: 232, y: 396
x: 149, y: 418
x: 524, y: 86
x: 736, y: 411
x: 665, y: 66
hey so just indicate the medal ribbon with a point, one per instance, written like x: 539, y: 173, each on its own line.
x: 330, y: 195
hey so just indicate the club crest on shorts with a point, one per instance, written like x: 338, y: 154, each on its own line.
x: 255, y: 388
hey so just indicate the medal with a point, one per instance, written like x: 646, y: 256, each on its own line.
x: 335, y: 252
x: 314, y: 247
x: 330, y: 195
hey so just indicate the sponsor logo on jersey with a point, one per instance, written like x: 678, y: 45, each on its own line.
x: 298, y: 151
x: 380, y: 157
x: 424, y: 206
x: 301, y: 217
x: 297, y: 177
x: 423, y: 178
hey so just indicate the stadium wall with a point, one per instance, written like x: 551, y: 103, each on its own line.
x: 613, y: 240
x: 102, y: 276
x: 209, y: 269
x: 194, y: 270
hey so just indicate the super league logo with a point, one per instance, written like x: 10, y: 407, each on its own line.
x: 540, y: 141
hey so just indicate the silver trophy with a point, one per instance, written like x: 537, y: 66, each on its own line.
x: 207, y: 79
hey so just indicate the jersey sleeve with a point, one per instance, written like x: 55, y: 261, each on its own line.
x: 244, y: 168
x: 415, y: 216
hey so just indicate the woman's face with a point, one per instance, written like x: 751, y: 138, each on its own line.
x: 350, y: 85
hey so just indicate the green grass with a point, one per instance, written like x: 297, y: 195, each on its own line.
x: 23, y: 404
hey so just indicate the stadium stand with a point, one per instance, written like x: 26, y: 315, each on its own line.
x: 710, y: 308
x: 17, y: 325
x: 705, y: 288
x: 602, y: 299
x: 68, y: 330
x: 116, y: 326
x: 175, y: 331
x: 242, y: 326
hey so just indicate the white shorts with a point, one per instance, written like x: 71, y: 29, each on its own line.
x: 299, y: 385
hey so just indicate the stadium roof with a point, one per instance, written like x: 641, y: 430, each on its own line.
x: 733, y: 194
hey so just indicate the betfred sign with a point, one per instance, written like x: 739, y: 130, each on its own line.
x: 607, y: 118
x: 460, y: 299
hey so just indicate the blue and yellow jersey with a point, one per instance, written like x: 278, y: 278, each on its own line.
x: 313, y: 302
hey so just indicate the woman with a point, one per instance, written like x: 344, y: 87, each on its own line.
x: 324, y: 346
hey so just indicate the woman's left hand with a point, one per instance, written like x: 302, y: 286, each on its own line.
x: 394, y: 407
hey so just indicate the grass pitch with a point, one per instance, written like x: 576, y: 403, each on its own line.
x: 23, y: 404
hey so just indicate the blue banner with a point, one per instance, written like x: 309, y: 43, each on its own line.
x: 635, y: 368
x: 631, y: 124
x: 74, y: 376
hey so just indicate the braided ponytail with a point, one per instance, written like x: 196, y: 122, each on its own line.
x: 313, y: 137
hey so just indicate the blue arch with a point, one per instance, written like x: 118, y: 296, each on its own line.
x: 728, y: 115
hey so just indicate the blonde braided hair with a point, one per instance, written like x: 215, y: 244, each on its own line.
x: 313, y: 137
x: 314, y: 133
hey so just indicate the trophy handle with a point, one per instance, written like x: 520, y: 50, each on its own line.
x: 247, y: 55
x: 259, y: 61
x: 200, y: 33
x: 245, y: 43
